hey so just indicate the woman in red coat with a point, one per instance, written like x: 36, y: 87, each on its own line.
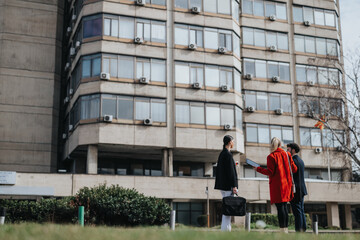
x: 280, y: 180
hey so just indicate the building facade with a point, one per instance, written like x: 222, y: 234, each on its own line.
x: 150, y: 87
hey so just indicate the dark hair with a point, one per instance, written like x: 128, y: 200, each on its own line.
x: 226, y: 140
x: 294, y: 146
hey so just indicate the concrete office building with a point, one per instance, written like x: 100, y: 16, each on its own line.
x: 149, y: 89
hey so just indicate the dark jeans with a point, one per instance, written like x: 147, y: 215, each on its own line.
x: 283, y: 214
x: 299, y: 214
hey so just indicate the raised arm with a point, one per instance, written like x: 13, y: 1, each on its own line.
x: 271, y: 167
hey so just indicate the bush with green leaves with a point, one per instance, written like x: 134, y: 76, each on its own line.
x: 116, y: 205
x: 272, y: 219
x: 45, y: 210
x: 112, y: 205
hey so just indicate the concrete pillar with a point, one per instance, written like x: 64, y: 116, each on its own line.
x: 332, y: 210
x: 92, y: 159
x: 171, y: 160
x: 164, y: 165
x: 348, y: 218
x: 209, y: 169
x: 271, y: 208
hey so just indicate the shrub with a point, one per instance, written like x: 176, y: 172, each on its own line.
x: 45, y: 210
x: 115, y: 205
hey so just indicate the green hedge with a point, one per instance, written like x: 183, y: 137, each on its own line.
x: 112, y: 205
x: 272, y: 219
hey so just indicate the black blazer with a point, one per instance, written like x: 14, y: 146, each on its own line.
x: 226, y: 176
x: 301, y: 190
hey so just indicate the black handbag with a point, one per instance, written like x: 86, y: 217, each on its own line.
x: 234, y: 206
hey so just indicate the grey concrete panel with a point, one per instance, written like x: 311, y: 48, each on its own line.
x: 330, y: 5
x: 268, y: 118
x: 267, y: 86
x: 278, y: 26
x: 265, y: 54
x: 27, y: 191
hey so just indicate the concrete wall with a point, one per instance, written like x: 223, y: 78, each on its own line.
x: 182, y: 188
x: 30, y: 60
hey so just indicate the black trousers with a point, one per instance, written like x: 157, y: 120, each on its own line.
x: 283, y: 214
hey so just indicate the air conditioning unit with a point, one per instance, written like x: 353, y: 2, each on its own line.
x: 71, y: 91
x: 72, y: 52
x: 73, y: 17
x: 279, y: 111
x: 71, y: 127
x: 273, y: 48
x: 192, y: 46
x: 68, y: 30
x: 66, y: 100
x: 140, y: 2
x: 275, y: 78
x: 272, y: 18
x: 248, y: 76
x: 227, y: 127
x: 311, y: 83
x: 108, y: 118
x: 195, y: 10
x: 307, y: 23
x: 138, y: 40
x: 67, y: 66
x: 250, y: 109
x: 221, y: 50
x: 339, y: 149
x: 318, y: 150
x: 64, y: 136
x: 77, y: 44
x: 224, y: 88
x: 148, y: 122
x: 196, y: 85
x: 143, y: 80
x: 105, y: 76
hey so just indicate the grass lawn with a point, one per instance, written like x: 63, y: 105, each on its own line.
x: 32, y: 231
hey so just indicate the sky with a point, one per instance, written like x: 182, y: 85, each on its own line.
x: 350, y: 24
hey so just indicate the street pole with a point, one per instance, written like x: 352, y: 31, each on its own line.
x: 81, y: 215
x: 207, y: 210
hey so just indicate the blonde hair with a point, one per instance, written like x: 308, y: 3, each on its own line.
x: 275, y: 144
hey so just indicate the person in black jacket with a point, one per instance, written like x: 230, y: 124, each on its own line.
x: 226, y: 177
x: 297, y: 203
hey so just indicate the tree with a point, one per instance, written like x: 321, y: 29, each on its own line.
x: 336, y: 107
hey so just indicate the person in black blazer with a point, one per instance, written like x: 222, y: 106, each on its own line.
x: 297, y: 203
x: 226, y: 177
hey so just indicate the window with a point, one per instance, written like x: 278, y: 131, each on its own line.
x: 225, y: 40
x: 262, y: 101
x: 182, y: 112
x: 227, y: 115
x: 259, y: 133
x: 197, y: 113
x: 308, y: 15
x: 210, y: 6
x: 299, y: 43
x: 212, y: 76
x: 267, y: 69
x: 307, y: 44
x: 211, y: 38
x: 142, y: 108
x: 187, y: 213
x: 182, y: 73
x: 256, y: 37
x: 126, y: 67
x: 247, y: 7
x: 142, y: 68
x: 143, y: 29
x: 268, y: 101
x: 158, y: 31
x: 270, y: 9
x: 92, y: 26
x: 264, y: 8
x: 108, y: 105
x: 321, y: 46
x: 159, y: 2
x: 127, y: 26
x: 111, y: 27
x: 248, y: 36
x: 274, y: 101
x: 235, y: 10
x: 90, y: 106
x: 298, y: 14
x: 181, y: 35
x: 259, y: 38
x: 125, y: 108
x: 226, y: 77
x: 196, y: 36
x: 237, y: 80
x: 158, y: 110
x: 259, y: 9
x: 251, y: 133
x: 319, y: 17
x: 91, y: 66
x: 158, y: 70
x: 330, y: 18
x: 212, y: 115
x: 324, y: 76
x: 224, y: 7
x: 250, y: 99
x: 181, y: 4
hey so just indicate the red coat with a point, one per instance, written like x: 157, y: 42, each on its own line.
x: 280, y: 181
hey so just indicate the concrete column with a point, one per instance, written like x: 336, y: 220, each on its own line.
x: 209, y: 169
x: 271, y: 208
x: 348, y: 218
x: 171, y: 160
x: 92, y: 159
x: 164, y: 165
x: 332, y: 210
